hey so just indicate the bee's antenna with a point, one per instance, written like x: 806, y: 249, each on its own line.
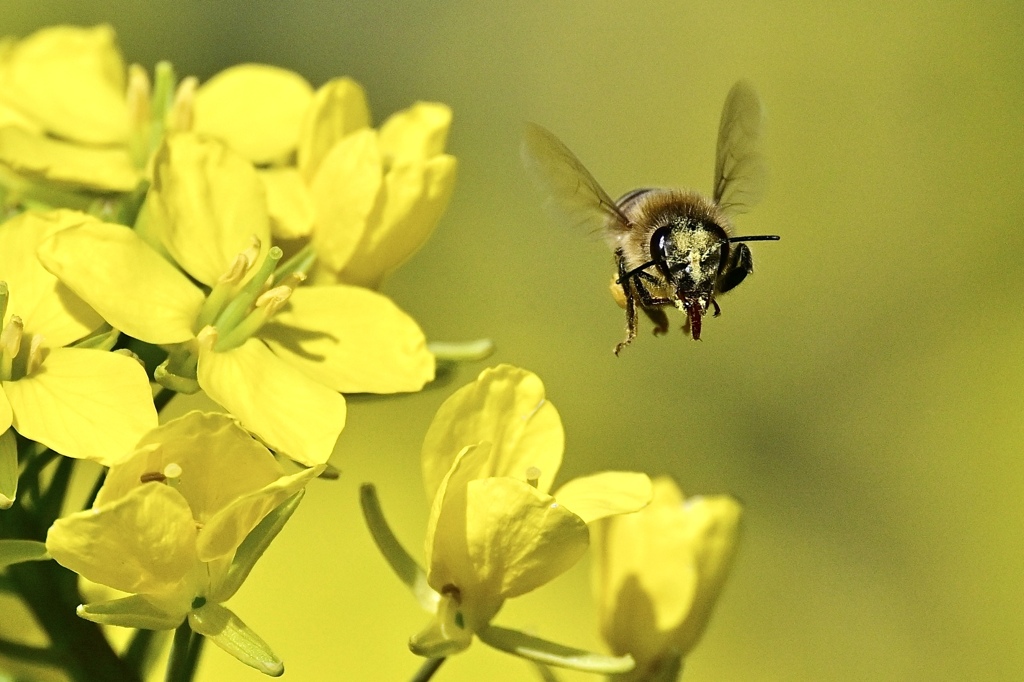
x: 756, y: 238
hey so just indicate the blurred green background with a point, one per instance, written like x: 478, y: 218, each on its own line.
x: 862, y: 392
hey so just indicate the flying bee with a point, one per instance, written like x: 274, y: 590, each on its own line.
x: 673, y: 247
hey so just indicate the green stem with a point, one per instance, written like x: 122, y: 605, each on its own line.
x: 428, y: 669
x: 195, y: 650
x: 186, y: 649
x: 137, y: 653
x: 53, y: 499
x: 28, y: 481
x: 177, y: 665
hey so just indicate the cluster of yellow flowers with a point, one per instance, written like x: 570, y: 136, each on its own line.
x: 162, y: 237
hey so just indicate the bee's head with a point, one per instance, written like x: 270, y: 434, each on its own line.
x: 689, y: 253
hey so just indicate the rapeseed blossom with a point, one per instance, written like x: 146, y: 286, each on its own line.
x: 76, y: 125
x: 178, y: 525
x: 365, y: 199
x: 81, y: 402
x: 272, y: 353
x: 495, y: 532
x: 658, y: 575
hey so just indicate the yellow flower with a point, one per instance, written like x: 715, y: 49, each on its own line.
x: 68, y: 85
x: 80, y: 402
x: 495, y: 532
x: 73, y: 117
x: 367, y: 199
x: 658, y: 575
x: 273, y: 354
x: 256, y: 109
x: 69, y: 80
x: 178, y: 525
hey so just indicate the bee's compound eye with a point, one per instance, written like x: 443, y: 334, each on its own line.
x: 659, y: 243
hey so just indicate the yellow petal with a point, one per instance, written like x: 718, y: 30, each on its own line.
x: 661, y: 570
x: 209, y: 483
x: 45, y: 305
x: 605, y: 494
x: 141, y: 543
x: 345, y: 192
x: 87, y: 404
x: 226, y: 529
x: 70, y: 79
x: 416, y: 194
x: 714, y: 523
x: 289, y: 411
x: 450, y: 568
x: 255, y: 108
x: 208, y: 203
x: 6, y: 415
x: 520, y: 537
x: 418, y: 132
x: 126, y: 281
x: 352, y: 340
x: 505, y: 406
x: 445, y: 540
x: 10, y: 116
x: 93, y: 168
x: 288, y: 201
x: 338, y: 108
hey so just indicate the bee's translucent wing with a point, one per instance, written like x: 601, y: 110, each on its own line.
x: 573, y: 190
x: 740, y: 172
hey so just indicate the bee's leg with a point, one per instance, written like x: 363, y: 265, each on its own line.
x: 630, y: 322
x: 651, y: 305
x: 739, y: 265
x: 659, y: 318
x: 647, y: 299
x: 630, y: 297
x: 718, y: 308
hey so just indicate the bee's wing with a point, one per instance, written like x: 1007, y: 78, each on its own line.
x: 572, y: 188
x: 740, y: 173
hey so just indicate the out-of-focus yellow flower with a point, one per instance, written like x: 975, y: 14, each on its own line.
x: 178, y: 525
x: 80, y: 402
x: 72, y: 116
x: 272, y: 353
x: 256, y: 109
x: 70, y: 81
x: 367, y: 199
x: 658, y: 574
x: 495, y: 532
x: 68, y: 86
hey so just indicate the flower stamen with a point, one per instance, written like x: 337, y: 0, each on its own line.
x: 239, y: 307
x: 267, y: 304
x: 36, y: 353
x: 10, y: 346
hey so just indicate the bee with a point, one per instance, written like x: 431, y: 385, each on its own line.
x: 673, y: 247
